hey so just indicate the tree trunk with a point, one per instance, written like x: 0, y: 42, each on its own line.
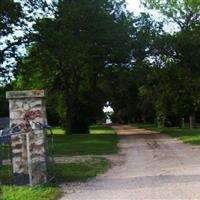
x: 192, y: 120
x: 68, y: 117
x: 144, y: 119
x: 68, y: 123
x: 182, y: 122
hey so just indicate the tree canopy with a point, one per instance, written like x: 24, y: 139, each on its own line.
x: 73, y: 64
x: 185, y: 13
x: 88, y: 52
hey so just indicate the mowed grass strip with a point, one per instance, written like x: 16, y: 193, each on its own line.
x: 80, y: 171
x: 70, y: 172
x: 30, y: 193
x: 102, y: 140
x: 101, y: 129
x: 187, y: 135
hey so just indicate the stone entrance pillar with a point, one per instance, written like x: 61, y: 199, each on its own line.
x: 28, y: 139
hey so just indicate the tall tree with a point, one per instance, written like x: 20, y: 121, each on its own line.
x: 9, y: 15
x: 128, y: 105
x: 185, y: 13
x: 16, y: 21
x: 72, y: 50
x: 182, y: 47
x: 10, y: 12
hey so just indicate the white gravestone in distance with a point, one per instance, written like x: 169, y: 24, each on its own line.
x: 108, y: 111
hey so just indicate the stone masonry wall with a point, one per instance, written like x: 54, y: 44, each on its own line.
x: 28, y: 140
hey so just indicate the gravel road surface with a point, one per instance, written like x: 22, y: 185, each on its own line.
x: 149, y: 166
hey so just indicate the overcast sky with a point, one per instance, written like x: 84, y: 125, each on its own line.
x: 134, y: 6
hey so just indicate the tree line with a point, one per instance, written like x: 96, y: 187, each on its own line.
x: 88, y: 52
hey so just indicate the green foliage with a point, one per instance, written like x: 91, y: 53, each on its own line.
x: 186, y: 46
x: 91, y: 52
x: 3, y: 102
x: 144, y: 33
x: 16, y: 20
x: 173, y: 84
x: 184, y: 13
x: 128, y: 104
x: 173, y: 94
x: 71, y: 60
x: 10, y: 12
x: 121, y: 96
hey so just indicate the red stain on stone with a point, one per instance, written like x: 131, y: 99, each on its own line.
x: 31, y: 115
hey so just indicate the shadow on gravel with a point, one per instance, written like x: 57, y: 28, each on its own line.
x: 145, y: 182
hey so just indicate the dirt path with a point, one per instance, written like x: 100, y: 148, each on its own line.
x: 149, y: 166
x: 129, y: 130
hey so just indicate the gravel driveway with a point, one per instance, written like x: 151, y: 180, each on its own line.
x: 149, y: 166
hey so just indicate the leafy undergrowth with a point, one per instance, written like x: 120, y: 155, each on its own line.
x: 187, y: 135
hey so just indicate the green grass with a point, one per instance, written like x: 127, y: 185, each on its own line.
x: 185, y: 134
x: 71, y: 172
x: 80, y: 171
x: 5, y: 174
x: 58, y: 130
x: 4, y: 151
x: 85, y: 144
x: 30, y: 193
x: 152, y: 127
x: 102, y: 140
x: 94, y: 129
x: 101, y: 129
